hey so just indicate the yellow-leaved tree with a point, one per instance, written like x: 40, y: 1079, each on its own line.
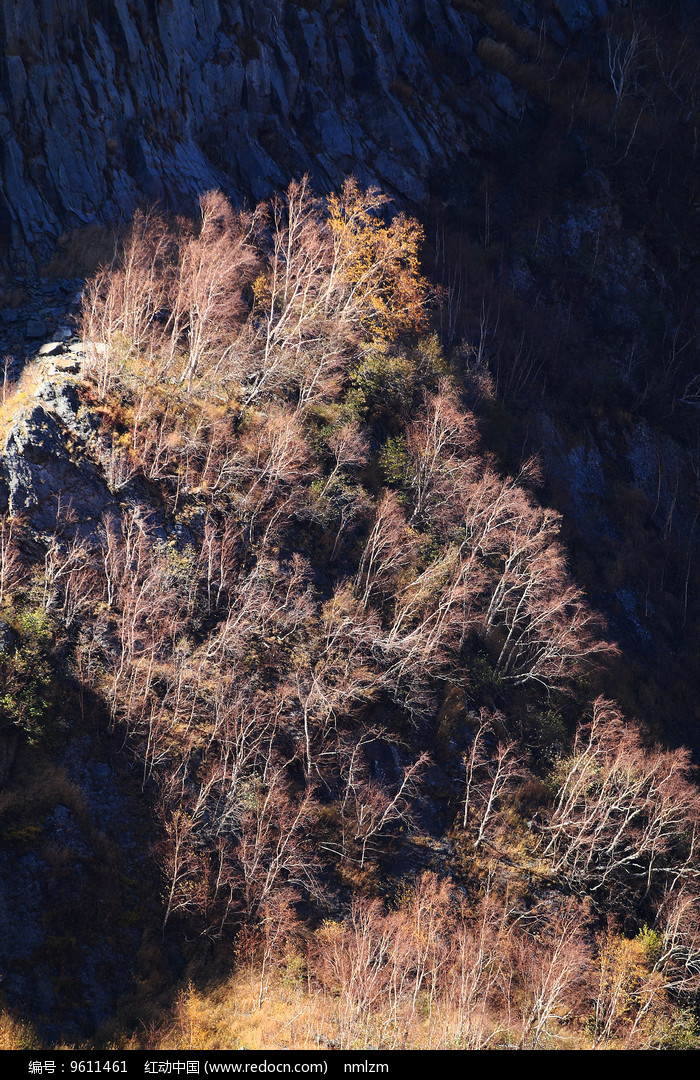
x: 338, y: 280
x: 377, y: 263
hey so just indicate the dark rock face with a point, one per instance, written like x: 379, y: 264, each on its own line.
x: 44, y: 460
x: 68, y: 951
x: 105, y: 104
x: 75, y: 883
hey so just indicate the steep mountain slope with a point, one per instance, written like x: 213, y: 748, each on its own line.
x: 275, y: 523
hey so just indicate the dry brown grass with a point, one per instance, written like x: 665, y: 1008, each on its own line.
x: 530, y: 62
x: 499, y: 55
x: 81, y: 252
x: 533, y: 46
x: 36, y: 786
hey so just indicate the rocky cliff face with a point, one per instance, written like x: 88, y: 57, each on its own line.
x: 110, y: 102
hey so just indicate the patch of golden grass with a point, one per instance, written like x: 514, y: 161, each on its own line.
x: 14, y: 1035
x: 15, y: 395
x: 230, y: 1016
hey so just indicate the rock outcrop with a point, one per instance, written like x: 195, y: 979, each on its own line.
x: 46, y: 464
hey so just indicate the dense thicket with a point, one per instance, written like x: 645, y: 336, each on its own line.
x: 327, y: 623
